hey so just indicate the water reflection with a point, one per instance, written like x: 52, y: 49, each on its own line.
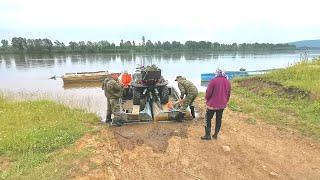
x: 204, y: 83
x: 190, y: 65
x: 90, y: 99
x: 22, y: 62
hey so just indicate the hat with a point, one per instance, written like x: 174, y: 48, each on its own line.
x: 178, y: 77
x: 221, y: 73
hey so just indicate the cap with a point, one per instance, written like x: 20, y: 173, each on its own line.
x: 178, y: 77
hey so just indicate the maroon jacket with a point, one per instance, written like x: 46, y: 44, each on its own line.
x: 218, y: 93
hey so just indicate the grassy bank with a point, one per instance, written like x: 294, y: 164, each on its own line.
x: 32, y: 133
x: 288, y: 97
x: 305, y: 76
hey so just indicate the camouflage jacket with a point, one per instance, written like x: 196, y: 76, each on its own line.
x: 186, y: 87
x: 112, y: 88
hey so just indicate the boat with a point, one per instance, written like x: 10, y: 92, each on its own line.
x: 151, y: 98
x: 205, y: 77
x: 231, y: 74
x: 82, y: 77
x: 154, y: 111
x: 149, y: 106
x: 77, y: 85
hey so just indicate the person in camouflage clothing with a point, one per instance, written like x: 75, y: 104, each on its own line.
x: 113, y: 91
x: 189, y: 92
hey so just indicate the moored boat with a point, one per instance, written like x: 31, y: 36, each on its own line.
x: 82, y: 77
x: 230, y: 74
x: 205, y: 77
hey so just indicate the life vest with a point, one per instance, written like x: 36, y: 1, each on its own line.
x: 170, y: 105
x: 125, y: 79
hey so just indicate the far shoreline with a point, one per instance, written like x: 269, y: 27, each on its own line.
x: 161, y: 52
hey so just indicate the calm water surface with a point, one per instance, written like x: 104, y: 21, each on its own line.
x: 29, y: 75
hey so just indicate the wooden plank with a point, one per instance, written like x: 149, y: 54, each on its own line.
x: 135, y: 109
x: 165, y: 107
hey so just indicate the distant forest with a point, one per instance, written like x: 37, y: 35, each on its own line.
x: 23, y: 45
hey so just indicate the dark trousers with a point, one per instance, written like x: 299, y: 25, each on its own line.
x: 209, y: 115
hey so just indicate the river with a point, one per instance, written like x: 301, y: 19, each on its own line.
x: 27, y: 76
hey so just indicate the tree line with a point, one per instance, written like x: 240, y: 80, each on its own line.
x: 23, y: 45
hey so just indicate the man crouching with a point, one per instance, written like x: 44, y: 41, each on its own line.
x: 189, y: 92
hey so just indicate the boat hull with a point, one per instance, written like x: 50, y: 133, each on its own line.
x: 230, y: 74
x: 89, y: 77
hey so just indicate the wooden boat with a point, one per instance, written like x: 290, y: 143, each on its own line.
x: 82, y: 77
x: 77, y: 85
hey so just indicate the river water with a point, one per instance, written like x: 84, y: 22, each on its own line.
x: 27, y: 76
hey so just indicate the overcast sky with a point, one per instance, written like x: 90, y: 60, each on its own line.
x: 224, y: 21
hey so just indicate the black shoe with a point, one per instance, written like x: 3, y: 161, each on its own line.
x: 117, y: 123
x: 206, y: 137
x: 108, y: 120
x: 192, y: 112
x: 215, y: 136
x: 180, y: 117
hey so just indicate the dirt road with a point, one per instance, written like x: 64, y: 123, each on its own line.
x: 246, y: 149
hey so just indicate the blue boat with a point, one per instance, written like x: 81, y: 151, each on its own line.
x: 230, y: 74
x: 205, y: 77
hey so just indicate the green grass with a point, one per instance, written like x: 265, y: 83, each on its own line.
x: 272, y: 106
x: 305, y: 75
x: 33, y: 132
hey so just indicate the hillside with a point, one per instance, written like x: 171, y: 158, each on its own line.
x: 288, y: 98
x: 313, y: 44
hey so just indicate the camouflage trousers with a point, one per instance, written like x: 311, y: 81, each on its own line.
x: 114, y: 107
x: 188, y: 101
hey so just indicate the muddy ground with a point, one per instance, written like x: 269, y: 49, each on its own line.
x: 244, y: 150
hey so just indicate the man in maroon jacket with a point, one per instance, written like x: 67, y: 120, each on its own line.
x: 217, y: 96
